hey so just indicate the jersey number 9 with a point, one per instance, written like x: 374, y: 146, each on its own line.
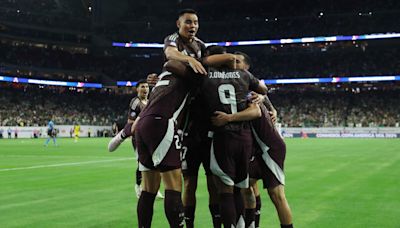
x: 227, y: 96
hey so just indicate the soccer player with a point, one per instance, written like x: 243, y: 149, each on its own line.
x: 226, y: 90
x: 16, y: 133
x: 9, y: 132
x: 158, y: 143
x: 136, y: 105
x: 268, y: 161
x: 51, y: 133
x: 77, y: 130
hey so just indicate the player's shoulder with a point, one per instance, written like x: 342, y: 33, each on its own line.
x: 134, y: 102
x: 134, y: 99
x: 172, y: 37
x: 246, y: 73
x: 200, y: 43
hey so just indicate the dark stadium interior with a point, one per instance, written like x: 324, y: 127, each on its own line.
x: 71, y: 40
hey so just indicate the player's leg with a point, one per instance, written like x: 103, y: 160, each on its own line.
x: 54, y: 139
x: 150, y: 176
x: 47, y: 141
x: 138, y: 188
x: 223, y: 181
x: 116, y: 141
x: 213, y: 203
x: 257, y: 212
x: 277, y: 195
x: 151, y: 184
x: 189, y: 199
x: 239, y: 206
x: 250, y: 205
x: 173, y: 206
x: 226, y: 202
x: 48, y: 137
x: 190, y: 168
x: 256, y: 172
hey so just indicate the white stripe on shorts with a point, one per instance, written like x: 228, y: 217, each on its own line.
x: 216, y: 170
x: 244, y: 183
x: 143, y: 168
x: 162, y: 148
x: 275, y: 169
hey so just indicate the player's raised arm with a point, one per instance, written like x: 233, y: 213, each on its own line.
x: 172, y: 53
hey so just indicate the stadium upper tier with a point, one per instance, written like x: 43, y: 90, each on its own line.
x: 318, y: 60
x: 144, y: 21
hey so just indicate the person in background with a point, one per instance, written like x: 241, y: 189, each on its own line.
x: 51, y: 133
x: 77, y: 129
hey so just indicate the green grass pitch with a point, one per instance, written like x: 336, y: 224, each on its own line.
x: 330, y: 183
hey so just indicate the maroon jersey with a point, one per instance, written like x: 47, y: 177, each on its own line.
x: 270, y: 148
x: 135, y: 107
x: 226, y: 90
x: 265, y: 128
x: 171, y: 92
x: 195, y: 49
x: 167, y: 96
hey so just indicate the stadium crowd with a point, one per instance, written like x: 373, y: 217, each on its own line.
x: 340, y: 109
x: 31, y: 106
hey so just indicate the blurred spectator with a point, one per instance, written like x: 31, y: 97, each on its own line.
x: 340, y: 108
x: 33, y: 107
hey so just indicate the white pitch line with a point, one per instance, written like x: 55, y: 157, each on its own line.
x: 66, y: 164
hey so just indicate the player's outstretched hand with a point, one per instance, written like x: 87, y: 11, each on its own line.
x: 220, y: 119
x: 197, y: 66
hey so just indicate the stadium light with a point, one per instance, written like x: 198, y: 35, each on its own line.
x: 278, y: 41
x: 50, y: 82
x: 267, y: 81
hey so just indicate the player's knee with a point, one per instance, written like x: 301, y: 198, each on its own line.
x: 277, y: 194
x: 172, y: 180
x: 150, y: 186
x: 248, y: 196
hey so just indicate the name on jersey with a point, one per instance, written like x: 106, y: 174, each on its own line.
x: 224, y: 75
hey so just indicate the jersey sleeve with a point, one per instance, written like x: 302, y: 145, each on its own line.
x: 170, y: 41
x: 134, y: 108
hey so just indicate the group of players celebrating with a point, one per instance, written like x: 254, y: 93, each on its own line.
x: 206, y: 107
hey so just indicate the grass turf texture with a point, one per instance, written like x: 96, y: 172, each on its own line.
x: 330, y: 183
